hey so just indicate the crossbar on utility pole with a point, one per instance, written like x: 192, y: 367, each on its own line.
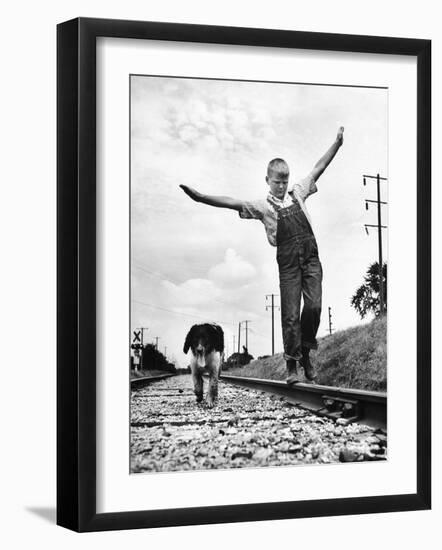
x: 329, y: 320
x: 379, y: 225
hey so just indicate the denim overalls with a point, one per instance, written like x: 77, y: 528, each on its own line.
x: 300, y: 272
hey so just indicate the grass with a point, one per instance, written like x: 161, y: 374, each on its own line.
x: 351, y: 358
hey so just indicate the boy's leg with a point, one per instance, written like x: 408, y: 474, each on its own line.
x: 311, y: 312
x: 290, y: 290
x: 292, y: 371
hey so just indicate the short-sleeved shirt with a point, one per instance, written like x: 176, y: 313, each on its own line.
x: 264, y: 209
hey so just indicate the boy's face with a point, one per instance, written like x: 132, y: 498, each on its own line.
x: 278, y: 184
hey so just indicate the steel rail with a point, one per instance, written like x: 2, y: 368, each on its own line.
x: 144, y: 380
x: 352, y: 405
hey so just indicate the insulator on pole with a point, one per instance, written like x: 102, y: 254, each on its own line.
x: 366, y: 205
x: 366, y: 230
x: 365, y: 183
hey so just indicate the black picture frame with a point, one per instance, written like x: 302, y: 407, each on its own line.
x: 76, y: 273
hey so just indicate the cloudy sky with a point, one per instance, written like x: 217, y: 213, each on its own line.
x: 193, y: 263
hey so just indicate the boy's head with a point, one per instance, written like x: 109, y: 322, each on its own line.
x: 278, y: 177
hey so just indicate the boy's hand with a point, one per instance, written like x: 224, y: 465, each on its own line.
x: 340, y: 136
x: 191, y: 192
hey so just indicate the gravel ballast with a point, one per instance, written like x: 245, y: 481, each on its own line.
x: 247, y: 428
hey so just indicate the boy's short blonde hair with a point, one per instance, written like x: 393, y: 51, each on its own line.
x: 279, y: 166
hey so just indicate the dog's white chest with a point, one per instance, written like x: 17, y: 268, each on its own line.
x: 204, y: 362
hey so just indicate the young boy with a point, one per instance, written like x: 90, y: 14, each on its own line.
x: 288, y: 227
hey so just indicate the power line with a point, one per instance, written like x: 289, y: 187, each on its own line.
x: 166, y: 277
x: 253, y: 331
x: 148, y: 271
x: 179, y: 312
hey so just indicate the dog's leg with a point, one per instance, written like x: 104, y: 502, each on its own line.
x: 198, y: 386
x: 212, y: 394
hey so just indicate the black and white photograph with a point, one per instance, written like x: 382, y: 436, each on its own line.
x: 221, y: 258
x: 258, y: 273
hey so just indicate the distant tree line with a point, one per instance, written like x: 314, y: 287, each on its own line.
x: 238, y: 359
x: 154, y: 360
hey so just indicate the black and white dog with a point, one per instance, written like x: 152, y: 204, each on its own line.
x: 207, y: 345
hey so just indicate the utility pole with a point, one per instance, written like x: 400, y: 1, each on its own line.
x: 165, y: 352
x: 234, y: 344
x: 247, y: 333
x: 272, y: 307
x: 142, y: 333
x: 156, y: 348
x: 329, y: 320
x: 379, y: 225
x: 239, y: 335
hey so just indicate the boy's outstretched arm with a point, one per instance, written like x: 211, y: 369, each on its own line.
x: 220, y: 202
x: 325, y: 160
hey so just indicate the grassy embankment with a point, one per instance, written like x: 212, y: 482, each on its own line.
x: 352, y: 358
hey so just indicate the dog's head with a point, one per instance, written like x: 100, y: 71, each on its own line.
x: 203, y: 339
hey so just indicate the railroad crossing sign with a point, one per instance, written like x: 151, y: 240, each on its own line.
x: 137, y: 337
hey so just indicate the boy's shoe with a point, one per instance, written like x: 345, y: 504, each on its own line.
x: 292, y: 370
x: 309, y: 369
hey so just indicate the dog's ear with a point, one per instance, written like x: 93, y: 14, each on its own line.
x: 218, y: 338
x: 188, y: 341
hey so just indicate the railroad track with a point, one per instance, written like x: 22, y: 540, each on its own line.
x: 349, y: 405
x: 144, y: 380
x: 248, y: 427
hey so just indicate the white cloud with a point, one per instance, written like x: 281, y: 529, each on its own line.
x: 210, y: 142
x: 188, y: 133
x: 237, y: 123
x: 233, y: 270
x: 193, y: 292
